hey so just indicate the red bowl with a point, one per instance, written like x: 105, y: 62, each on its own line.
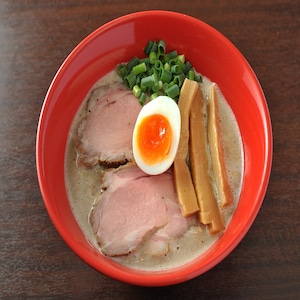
x: 212, y: 55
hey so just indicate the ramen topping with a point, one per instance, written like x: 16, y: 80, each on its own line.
x: 105, y: 135
x: 134, y: 207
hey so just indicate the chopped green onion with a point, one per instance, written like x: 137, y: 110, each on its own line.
x: 191, y: 75
x: 176, y: 69
x: 148, y: 47
x: 133, y: 62
x: 198, y: 78
x: 147, y: 82
x: 160, y: 84
x: 143, y: 98
x: 155, y: 72
x: 155, y: 77
x: 140, y: 68
x: 172, y: 91
x: 136, y: 91
x: 167, y: 66
x: 165, y: 86
x: 152, y: 57
x: 130, y: 80
x: 161, y: 48
x: 122, y: 70
x: 172, y: 54
x: 153, y: 96
x: 179, y: 79
x: 173, y: 61
x: 138, y: 80
x: 154, y: 47
x: 158, y: 65
x: 187, y: 67
x: 155, y: 87
x: 165, y: 76
x: 181, y: 58
x: 145, y: 60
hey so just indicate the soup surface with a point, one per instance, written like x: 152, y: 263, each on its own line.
x: 83, y: 185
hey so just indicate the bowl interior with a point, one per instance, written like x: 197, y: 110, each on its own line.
x: 212, y: 55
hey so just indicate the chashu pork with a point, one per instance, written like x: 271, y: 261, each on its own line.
x: 136, y: 208
x: 105, y: 135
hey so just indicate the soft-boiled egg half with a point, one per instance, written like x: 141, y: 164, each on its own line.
x: 156, y: 135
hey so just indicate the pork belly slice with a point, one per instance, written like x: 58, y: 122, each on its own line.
x: 134, y: 208
x: 105, y: 135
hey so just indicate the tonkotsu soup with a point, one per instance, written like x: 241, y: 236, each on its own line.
x: 83, y: 186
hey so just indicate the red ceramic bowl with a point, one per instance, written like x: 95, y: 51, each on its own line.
x: 213, y: 56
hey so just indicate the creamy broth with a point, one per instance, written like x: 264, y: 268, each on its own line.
x: 83, y: 186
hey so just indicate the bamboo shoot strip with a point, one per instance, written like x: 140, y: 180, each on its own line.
x: 216, y: 150
x: 183, y: 181
x: 209, y: 213
x: 184, y: 188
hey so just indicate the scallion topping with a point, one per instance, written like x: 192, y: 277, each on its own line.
x: 140, y: 68
x: 143, y: 98
x: 172, y: 91
x: 148, y: 47
x: 136, y: 91
x: 159, y: 73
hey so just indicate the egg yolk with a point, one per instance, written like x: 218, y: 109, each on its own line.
x: 154, y: 138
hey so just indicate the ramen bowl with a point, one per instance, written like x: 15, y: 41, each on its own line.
x: 211, y: 54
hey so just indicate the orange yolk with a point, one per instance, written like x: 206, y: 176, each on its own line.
x: 154, y: 138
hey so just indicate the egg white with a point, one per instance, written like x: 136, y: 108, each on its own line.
x: 168, y: 108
